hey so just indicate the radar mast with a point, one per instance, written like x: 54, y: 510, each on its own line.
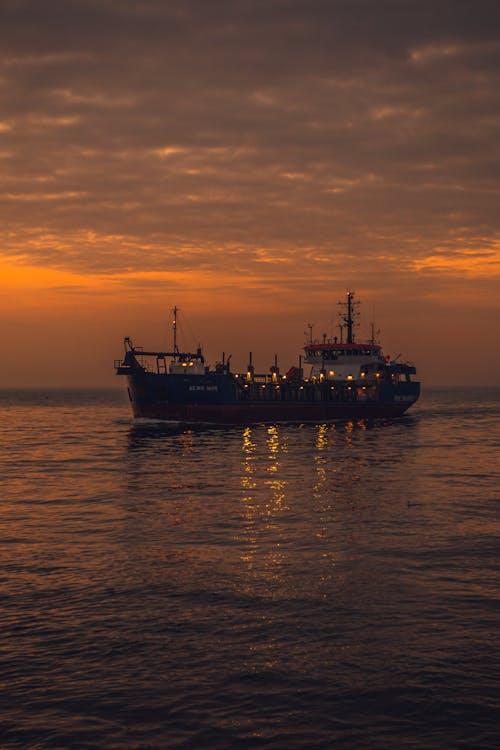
x: 174, y: 328
x: 347, y: 316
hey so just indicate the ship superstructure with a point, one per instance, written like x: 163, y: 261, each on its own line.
x: 349, y: 361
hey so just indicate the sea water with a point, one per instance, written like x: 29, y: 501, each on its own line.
x: 275, y: 586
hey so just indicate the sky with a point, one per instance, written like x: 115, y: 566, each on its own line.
x: 248, y: 161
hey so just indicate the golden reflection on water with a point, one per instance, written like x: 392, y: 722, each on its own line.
x: 320, y: 460
x: 276, y: 485
x: 248, y: 483
x: 294, y: 499
x: 282, y: 502
x: 325, y: 434
x: 248, y: 449
x: 264, y: 496
x: 186, y: 442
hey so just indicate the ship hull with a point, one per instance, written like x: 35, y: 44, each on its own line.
x: 257, y: 413
x: 220, y: 401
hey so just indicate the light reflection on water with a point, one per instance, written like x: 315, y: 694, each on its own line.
x: 269, y: 586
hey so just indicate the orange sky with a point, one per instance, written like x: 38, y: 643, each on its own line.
x: 247, y: 162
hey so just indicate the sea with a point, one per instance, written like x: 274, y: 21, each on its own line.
x: 312, y: 587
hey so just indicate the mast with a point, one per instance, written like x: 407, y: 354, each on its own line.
x: 174, y: 328
x: 348, y: 317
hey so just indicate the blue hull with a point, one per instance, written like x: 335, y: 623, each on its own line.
x: 223, y: 399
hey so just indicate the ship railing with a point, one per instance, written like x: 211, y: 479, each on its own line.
x: 259, y: 378
x: 182, y: 356
x: 305, y: 390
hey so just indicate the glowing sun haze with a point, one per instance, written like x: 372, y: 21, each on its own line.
x: 248, y: 161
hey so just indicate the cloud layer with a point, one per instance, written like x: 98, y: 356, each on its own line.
x: 260, y: 138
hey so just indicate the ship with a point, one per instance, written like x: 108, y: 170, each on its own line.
x: 336, y: 378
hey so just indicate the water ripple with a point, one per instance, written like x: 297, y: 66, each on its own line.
x: 280, y: 586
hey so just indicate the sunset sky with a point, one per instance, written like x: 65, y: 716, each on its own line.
x: 248, y: 161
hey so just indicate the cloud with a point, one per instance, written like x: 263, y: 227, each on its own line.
x: 267, y: 139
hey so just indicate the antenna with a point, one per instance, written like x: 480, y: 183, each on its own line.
x: 374, y: 332
x: 174, y: 328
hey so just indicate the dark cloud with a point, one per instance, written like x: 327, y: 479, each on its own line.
x: 247, y: 135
